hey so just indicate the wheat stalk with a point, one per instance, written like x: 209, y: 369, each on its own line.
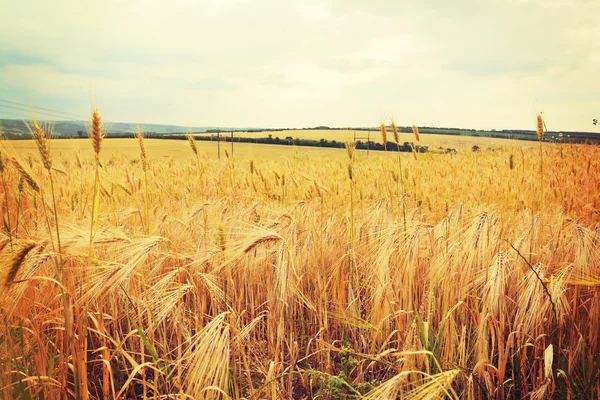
x: 415, y: 130
x: 192, y: 143
x: 96, y: 136
x: 7, y: 220
x: 383, y: 135
x: 44, y: 150
x: 396, y: 133
x: 351, y: 148
x: 144, y: 161
x: 540, y: 135
x: 41, y: 141
x: 28, y: 178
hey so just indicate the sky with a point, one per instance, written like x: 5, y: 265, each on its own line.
x: 483, y: 64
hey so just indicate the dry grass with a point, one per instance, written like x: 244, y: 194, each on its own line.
x: 300, y: 276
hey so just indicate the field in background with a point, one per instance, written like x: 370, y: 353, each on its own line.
x: 65, y: 149
x: 459, y: 143
x: 305, y: 273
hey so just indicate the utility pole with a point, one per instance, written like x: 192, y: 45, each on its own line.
x: 362, y: 138
x: 218, y: 144
x: 232, y: 143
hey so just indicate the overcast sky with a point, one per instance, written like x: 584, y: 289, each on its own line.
x: 277, y: 63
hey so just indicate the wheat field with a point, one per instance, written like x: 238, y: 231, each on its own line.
x: 165, y: 149
x: 133, y: 271
x: 434, y: 141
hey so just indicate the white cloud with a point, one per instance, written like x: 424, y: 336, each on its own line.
x: 488, y: 63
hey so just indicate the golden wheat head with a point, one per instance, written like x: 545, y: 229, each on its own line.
x: 351, y: 148
x: 383, y: 134
x: 416, y: 132
x: 17, y: 262
x: 540, y: 128
x: 28, y: 178
x: 96, y: 132
x: 42, y: 143
x: 396, y: 133
x: 190, y: 139
x: 143, y: 154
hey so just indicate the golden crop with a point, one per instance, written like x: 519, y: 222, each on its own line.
x: 160, y: 273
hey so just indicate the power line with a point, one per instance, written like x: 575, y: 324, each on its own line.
x: 46, y: 114
x: 54, y: 112
x: 41, y: 108
x: 25, y: 112
x: 22, y: 109
x: 24, y: 117
x: 14, y: 115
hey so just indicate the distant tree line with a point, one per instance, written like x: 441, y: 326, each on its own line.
x: 515, y: 134
x: 289, y: 141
